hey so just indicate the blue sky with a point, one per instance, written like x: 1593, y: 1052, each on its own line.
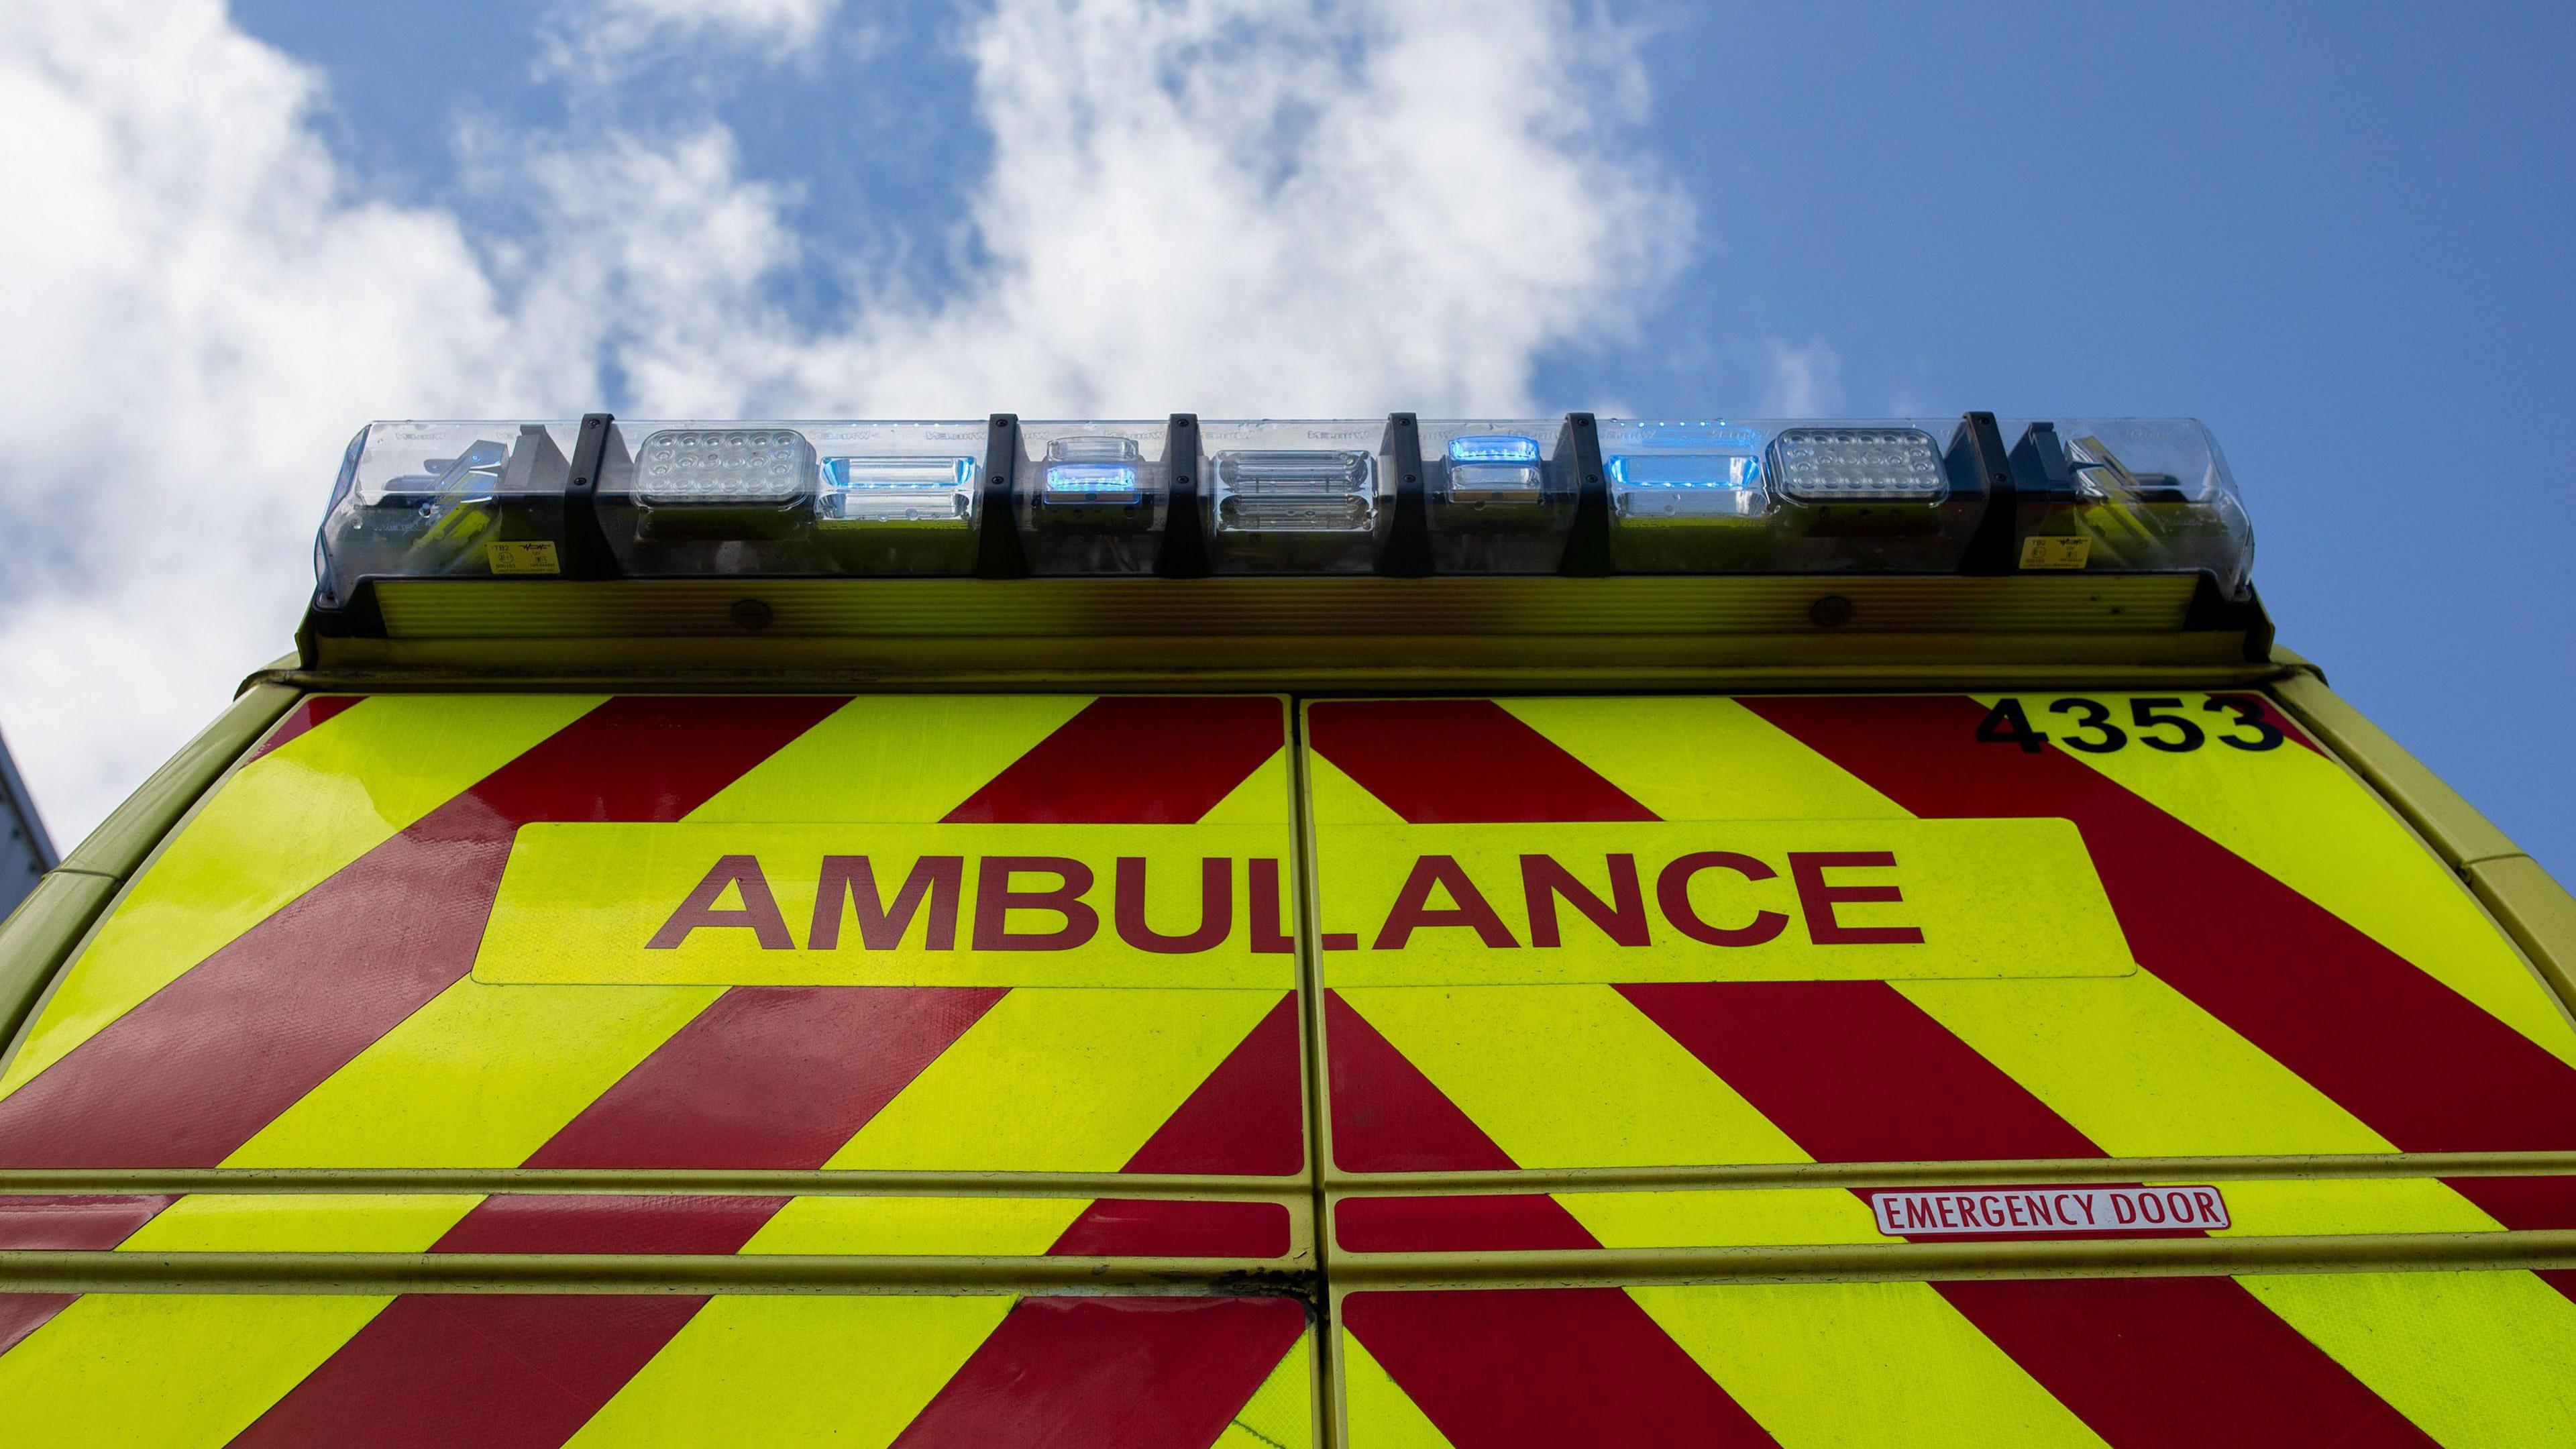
x: 2339, y: 234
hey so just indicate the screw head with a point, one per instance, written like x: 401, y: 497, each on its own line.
x: 752, y: 613
x: 1830, y: 612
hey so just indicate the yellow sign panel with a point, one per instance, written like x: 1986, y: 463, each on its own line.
x: 892, y: 905
x: 1759, y: 900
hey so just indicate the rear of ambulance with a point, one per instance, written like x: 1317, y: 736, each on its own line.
x: 1397, y: 932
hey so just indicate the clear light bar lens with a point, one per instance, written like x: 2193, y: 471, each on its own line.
x: 448, y: 475
x: 1094, y: 448
x: 1493, y: 448
x: 1654, y: 488
x: 1858, y: 465
x: 2105, y: 476
x: 723, y: 466
x: 1295, y: 491
x: 873, y: 490
x: 1686, y: 470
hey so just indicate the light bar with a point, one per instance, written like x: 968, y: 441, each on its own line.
x: 1003, y: 498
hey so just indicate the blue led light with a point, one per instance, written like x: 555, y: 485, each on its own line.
x: 1091, y: 480
x: 1493, y: 448
x: 1685, y: 470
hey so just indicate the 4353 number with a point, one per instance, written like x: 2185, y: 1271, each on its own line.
x: 2095, y: 727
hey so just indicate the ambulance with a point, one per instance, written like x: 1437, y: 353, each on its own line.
x: 1385, y: 933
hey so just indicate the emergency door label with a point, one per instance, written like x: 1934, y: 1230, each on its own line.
x: 910, y: 905
x: 1769, y: 900
x: 2047, y: 1211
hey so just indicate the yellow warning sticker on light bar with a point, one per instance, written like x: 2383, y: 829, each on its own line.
x: 885, y: 905
x: 2056, y: 552
x: 1758, y: 900
x: 530, y: 556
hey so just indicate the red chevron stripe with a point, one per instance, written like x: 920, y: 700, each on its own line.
x: 1248, y: 1119
x: 1544, y: 1367
x: 1855, y: 1072
x: 770, y: 1077
x: 23, y: 1313
x: 310, y: 711
x: 2524, y: 1204
x: 1461, y: 761
x: 63, y: 1224
x: 2179, y: 1363
x: 2425, y: 1067
x: 1116, y: 1227
x: 495, y: 1370
x: 527, y: 1222
x: 189, y: 1075
x: 2527, y: 1204
x: 1388, y: 1116
x: 75, y: 1224
x: 1140, y: 1373
x: 1134, y: 760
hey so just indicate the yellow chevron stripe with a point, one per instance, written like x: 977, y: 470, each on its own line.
x: 1830, y: 1365
x: 281, y: 826
x: 782, y: 1370
x: 2307, y: 822
x: 1729, y: 1217
x: 480, y: 1077
x: 287, y: 1222
x: 918, y: 1226
x: 1057, y: 1080
x: 1702, y: 758
x: 2141, y: 1069
x: 892, y: 758
x: 170, y: 1371
x: 1281, y: 1413
x: 2294, y: 1207
x: 1334, y: 798
x: 2475, y: 1359
x: 1266, y: 797
x: 1571, y: 1076
x: 1380, y: 1415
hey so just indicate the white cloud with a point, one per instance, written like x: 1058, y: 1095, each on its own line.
x: 1229, y: 205
x: 1248, y: 207
x: 200, y: 314
x: 629, y: 25
x: 1806, y: 381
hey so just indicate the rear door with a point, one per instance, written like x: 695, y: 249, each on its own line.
x: 521, y: 1068
x: 2131, y: 1047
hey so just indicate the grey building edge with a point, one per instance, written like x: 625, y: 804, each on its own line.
x: 26, y: 852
